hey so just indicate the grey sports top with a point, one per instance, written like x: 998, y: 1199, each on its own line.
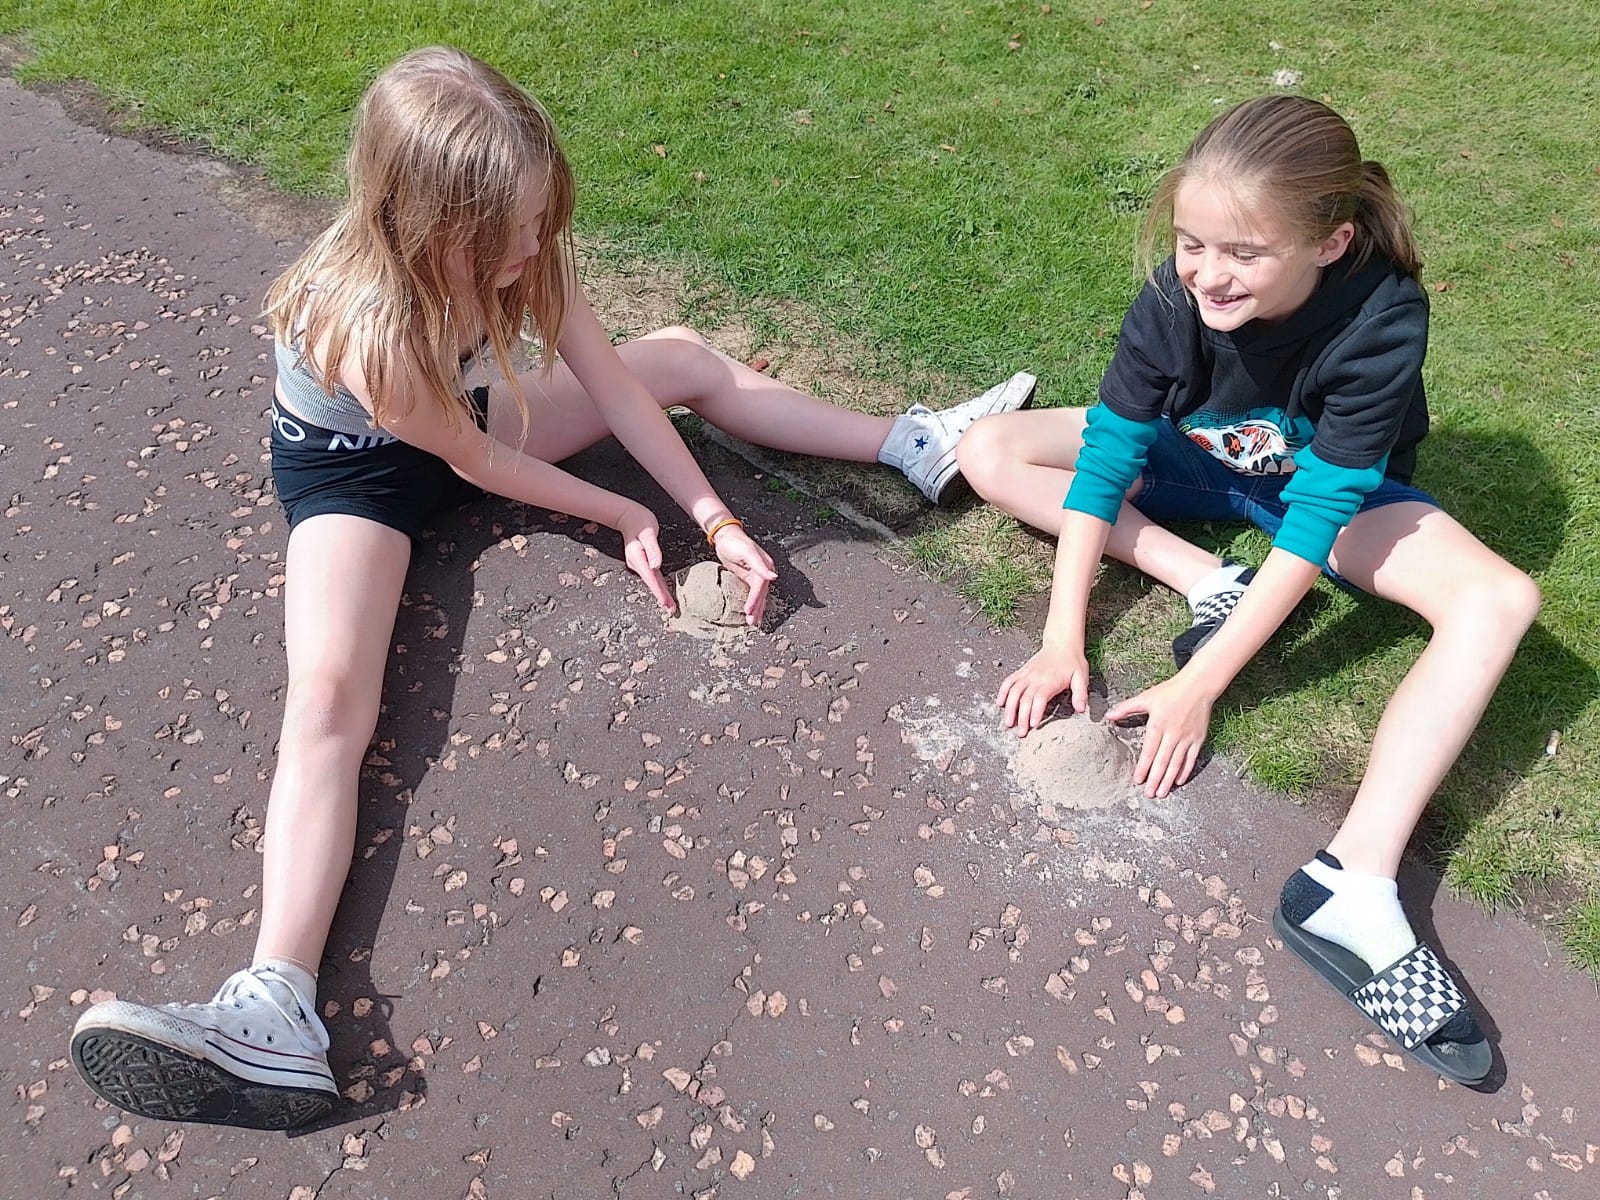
x: 338, y: 411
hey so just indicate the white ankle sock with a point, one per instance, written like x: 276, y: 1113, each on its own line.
x: 1363, y: 915
x: 1224, y: 579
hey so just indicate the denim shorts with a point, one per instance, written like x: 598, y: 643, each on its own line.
x: 319, y: 471
x: 1184, y: 483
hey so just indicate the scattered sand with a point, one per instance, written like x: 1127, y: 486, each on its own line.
x: 1074, y: 763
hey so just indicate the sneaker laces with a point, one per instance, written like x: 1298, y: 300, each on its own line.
x: 263, y: 984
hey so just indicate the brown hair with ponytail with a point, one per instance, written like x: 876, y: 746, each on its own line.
x: 1297, y: 159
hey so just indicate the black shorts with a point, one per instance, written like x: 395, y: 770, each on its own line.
x: 393, y: 483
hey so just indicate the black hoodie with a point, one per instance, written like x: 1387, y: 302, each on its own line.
x: 1340, y: 378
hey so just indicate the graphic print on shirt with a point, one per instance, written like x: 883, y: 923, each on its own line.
x: 1260, y: 442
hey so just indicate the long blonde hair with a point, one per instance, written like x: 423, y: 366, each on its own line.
x: 443, y: 152
x: 1298, y: 159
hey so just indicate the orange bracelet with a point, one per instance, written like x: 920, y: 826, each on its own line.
x: 718, y: 526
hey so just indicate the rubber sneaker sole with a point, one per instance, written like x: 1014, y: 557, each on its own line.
x: 152, y: 1080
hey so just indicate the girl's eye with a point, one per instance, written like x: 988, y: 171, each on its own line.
x: 1245, y: 256
x: 1189, y: 247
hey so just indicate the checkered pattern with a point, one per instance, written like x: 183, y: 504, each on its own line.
x: 1211, y: 611
x: 1412, y: 999
x: 1209, y: 614
x: 1214, y: 609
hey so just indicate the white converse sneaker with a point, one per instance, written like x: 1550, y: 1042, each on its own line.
x: 255, y: 1056
x: 922, y: 442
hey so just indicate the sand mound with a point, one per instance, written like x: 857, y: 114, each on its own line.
x: 710, y: 602
x: 1074, y: 763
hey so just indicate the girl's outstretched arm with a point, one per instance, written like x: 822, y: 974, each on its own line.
x: 501, y: 469
x: 1060, y: 664
x: 649, y: 436
x: 1179, y: 708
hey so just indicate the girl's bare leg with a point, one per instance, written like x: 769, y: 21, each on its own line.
x: 679, y: 368
x: 1021, y: 462
x: 344, y: 579
x: 1479, y: 606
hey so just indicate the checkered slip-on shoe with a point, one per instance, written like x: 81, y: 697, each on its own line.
x: 1208, y: 618
x: 1411, y: 1000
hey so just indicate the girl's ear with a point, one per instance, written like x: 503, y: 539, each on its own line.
x: 1331, y: 249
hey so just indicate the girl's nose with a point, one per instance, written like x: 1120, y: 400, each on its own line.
x: 1210, y: 271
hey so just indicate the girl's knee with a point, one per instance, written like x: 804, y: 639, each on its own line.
x: 676, y: 347
x: 677, y: 333
x: 328, y: 706
x: 1501, y: 598
x: 984, y: 452
x: 1517, y: 596
x: 676, y: 364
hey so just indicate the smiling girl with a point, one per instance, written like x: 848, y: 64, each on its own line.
x: 1270, y: 372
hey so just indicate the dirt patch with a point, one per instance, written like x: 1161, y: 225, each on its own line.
x: 710, y: 603
x: 1074, y: 763
x: 1065, y: 776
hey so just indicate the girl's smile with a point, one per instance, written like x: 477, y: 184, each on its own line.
x: 1241, y: 266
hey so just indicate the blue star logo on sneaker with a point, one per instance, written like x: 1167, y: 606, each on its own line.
x: 922, y: 442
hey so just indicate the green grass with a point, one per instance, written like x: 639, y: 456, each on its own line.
x: 1581, y: 930
x: 955, y: 186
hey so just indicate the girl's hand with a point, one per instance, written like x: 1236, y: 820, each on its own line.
x: 738, y: 551
x: 1026, y: 693
x: 641, y: 550
x: 1178, y: 716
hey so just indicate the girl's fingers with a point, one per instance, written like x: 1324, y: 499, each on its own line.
x: 755, y: 604
x: 1189, y: 760
x: 1123, y: 709
x: 1180, y: 761
x: 1080, y: 692
x: 658, y: 588
x: 1175, y: 770
x: 1165, y: 770
x: 637, y: 556
x: 1019, y: 712
x: 651, y: 549
x: 1006, y: 700
x: 1147, y: 757
x: 745, y: 557
x: 1162, y: 776
x: 756, y: 585
x: 1040, y: 706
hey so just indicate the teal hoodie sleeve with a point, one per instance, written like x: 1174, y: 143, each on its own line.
x: 1114, y: 448
x: 1322, y: 499
x: 1366, y: 378
x: 1133, y: 392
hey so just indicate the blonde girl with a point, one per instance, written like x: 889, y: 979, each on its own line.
x: 402, y: 390
x: 1270, y: 371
